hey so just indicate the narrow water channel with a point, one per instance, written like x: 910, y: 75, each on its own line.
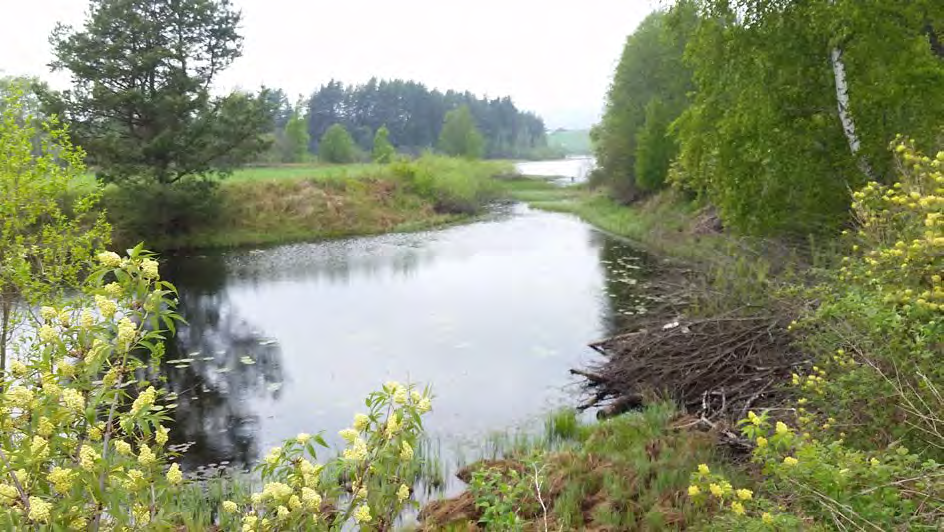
x: 492, y: 314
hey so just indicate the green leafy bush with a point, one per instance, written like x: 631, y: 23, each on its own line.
x: 810, y: 484
x: 85, y: 429
x: 499, y: 496
x: 454, y: 185
x: 150, y: 211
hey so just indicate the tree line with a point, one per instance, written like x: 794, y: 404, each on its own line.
x: 142, y: 108
x: 772, y: 111
x: 412, y: 114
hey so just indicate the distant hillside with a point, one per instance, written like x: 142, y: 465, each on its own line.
x: 571, y: 141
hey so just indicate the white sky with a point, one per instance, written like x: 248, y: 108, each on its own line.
x: 552, y: 57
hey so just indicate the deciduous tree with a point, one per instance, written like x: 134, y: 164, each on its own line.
x: 49, y: 224
x: 383, y: 151
x: 460, y: 136
x: 337, y: 146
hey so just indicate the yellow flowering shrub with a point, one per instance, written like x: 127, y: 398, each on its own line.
x: 85, y: 430
x: 73, y: 450
x: 899, y: 249
x: 876, y: 326
x: 892, y: 487
x: 367, y: 485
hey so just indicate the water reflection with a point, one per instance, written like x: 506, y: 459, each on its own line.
x: 493, y: 314
x: 624, y: 288
x: 567, y: 171
x: 218, y: 365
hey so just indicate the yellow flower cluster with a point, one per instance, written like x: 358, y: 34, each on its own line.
x: 349, y: 435
x: 362, y: 514
x: 39, y: 448
x: 311, y: 498
x: 109, y: 259
x: 357, y: 452
x: 146, y: 457
x: 8, y: 493
x: 174, y: 475
x: 106, y: 306
x: 18, y: 369
x: 126, y: 333
x: 19, y: 396
x: 149, y: 268
x: 901, y: 236
x: 88, y: 457
x: 721, y: 491
x: 48, y: 313
x: 142, y: 514
x: 161, y: 435
x: 406, y: 451
x: 61, y: 479
x: 274, y: 455
x: 113, y: 290
x: 276, y: 491
x: 144, y: 401
x: 39, y: 510
x: 403, y: 493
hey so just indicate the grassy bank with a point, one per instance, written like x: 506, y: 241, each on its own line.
x: 828, y: 350
x: 627, y: 473
x: 306, y: 171
x: 290, y: 203
x: 664, y: 224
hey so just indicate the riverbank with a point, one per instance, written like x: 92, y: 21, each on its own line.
x: 624, y: 472
x: 297, y: 203
x: 664, y: 225
x: 814, y: 358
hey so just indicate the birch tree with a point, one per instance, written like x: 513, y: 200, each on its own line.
x: 796, y: 103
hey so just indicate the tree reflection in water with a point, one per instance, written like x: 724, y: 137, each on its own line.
x: 218, y: 364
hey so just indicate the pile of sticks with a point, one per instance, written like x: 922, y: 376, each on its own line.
x: 717, y: 368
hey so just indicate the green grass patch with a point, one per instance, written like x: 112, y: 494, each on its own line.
x: 664, y: 224
x: 308, y: 171
x: 627, y: 473
x: 536, y: 190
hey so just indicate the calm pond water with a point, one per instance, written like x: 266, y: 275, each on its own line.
x: 492, y: 314
x: 571, y: 170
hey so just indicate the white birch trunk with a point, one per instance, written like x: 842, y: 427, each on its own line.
x: 845, y: 116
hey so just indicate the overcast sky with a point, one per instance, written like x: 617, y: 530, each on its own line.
x: 552, y: 57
